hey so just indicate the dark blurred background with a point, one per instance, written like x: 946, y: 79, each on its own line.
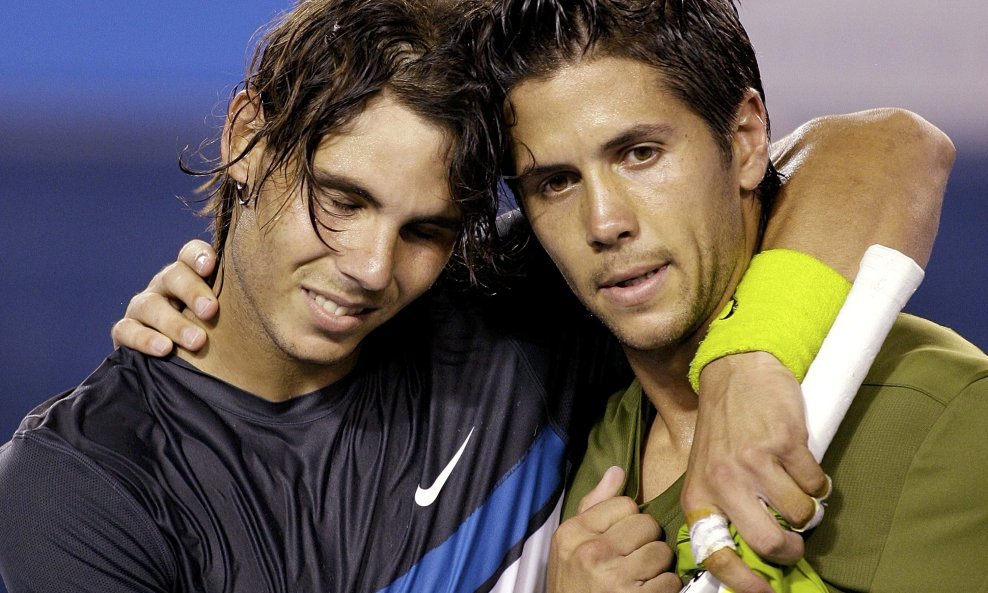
x: 97, y: 100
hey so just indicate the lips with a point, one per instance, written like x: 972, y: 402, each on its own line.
x: 635, y: 280
x: 634, y: 287
x: 629, y: 278
x: 335, y: 308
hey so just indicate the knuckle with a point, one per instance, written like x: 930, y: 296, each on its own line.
x: 788, y: 436
x: 770, y: 542
x: 592, y: 552
x: 803, y: 512
x: 119, y: 331
x: 160, y: 279
x: 768, y: 450
x: 181, y: 277
x: 818, y: 483
x: 627, y: 505
x: 660, y: 554
x: 567, y: 532
x: 725, y: 472
x: 139, y: 304
x: 668, y: 581
x: 649, y: 525
x: 119, y: 327
x: 649, y: 520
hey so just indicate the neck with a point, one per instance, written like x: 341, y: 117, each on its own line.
x: 662, y: 374
x: 666, y: 449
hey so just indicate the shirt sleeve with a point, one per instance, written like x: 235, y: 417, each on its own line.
x: 939, y: 535
x: 65, y: 526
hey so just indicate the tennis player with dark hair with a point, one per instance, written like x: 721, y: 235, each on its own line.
x: 640, y: 157
x: 348, y: 426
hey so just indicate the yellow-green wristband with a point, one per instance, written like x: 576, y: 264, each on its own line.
x: 784, y: 305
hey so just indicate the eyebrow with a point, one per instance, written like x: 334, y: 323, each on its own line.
x: 345, y: 185
x: 333, y: 181
x: 534, y: 170
x: 636, y: 134
x: 630, y: 136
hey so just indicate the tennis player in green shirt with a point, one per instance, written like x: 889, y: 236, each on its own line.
x: 641, y: 159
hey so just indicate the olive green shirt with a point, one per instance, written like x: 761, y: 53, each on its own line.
x: 909, y: 511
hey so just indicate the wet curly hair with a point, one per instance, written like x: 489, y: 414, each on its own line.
x: 314, y: 71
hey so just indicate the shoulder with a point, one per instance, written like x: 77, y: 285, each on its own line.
x: 110, y: 409
x: 930, y: 359
x: 50, y: 493
x: 60, y: 445
x: 113, y: 430
x: 910, y: 467
x: 924, y: 378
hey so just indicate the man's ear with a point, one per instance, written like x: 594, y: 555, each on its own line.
x: 751, y: 141
x: 243, y: 119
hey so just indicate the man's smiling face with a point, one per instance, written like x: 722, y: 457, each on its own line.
x: 303, y: 301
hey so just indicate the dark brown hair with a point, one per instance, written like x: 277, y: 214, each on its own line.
x: 315, y: 70
x: 699, y: 46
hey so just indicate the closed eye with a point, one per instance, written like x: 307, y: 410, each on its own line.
x: 344, y: 206
x: 429, y: 232
x: 336, y: 203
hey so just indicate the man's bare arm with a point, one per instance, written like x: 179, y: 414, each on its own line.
x: 874, y: 176
x: 853, y: 180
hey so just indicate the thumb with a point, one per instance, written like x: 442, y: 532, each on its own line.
x: 609, y: 486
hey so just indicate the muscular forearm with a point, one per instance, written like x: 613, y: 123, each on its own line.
x: 875, y: 176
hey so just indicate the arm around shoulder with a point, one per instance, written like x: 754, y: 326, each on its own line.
x: 853, y: 180
x: 64, y: 527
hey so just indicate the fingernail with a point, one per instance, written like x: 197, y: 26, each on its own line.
x: 202, y: 304
x: 161, y: 346
x: 191, y: 336
x: 201, y: 262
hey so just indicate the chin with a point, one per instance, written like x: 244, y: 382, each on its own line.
x: 655, y: 337
x: 322, y: 352
x: 645, y: 343
x: 651, y: 332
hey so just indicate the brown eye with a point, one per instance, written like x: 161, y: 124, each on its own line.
x: 556, y: 183
x: 643, y: 153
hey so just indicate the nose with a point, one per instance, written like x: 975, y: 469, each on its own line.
x: 370, y: 261
x: 609, y: 214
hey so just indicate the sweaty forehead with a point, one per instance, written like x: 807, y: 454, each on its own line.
x: 588, y: 101
x: 390, y: 151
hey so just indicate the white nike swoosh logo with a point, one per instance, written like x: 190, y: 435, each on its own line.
x: 426, y: 496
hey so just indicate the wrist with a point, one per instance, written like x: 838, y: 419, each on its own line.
x: 728, y: 366
x: 783, y: 306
